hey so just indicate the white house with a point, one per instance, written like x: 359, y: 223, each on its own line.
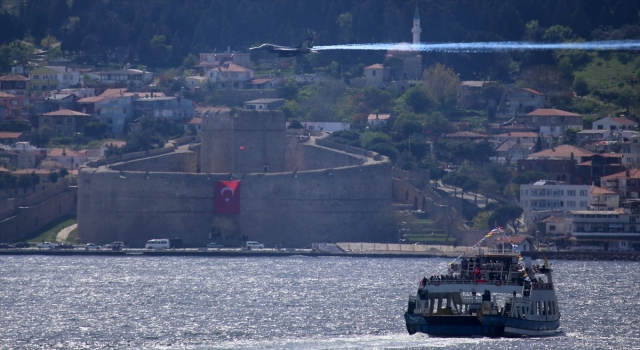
x: 229, y: 75
x: 130, y: 76
x: 615, y: 124
x: 544, y: 198
x: 67, y: 76
x: 611, y: 230
x: 376, y: 74
x: 520, y: 102
x: 602, y: 199
x: 195, y: 81
x: 324, y: 126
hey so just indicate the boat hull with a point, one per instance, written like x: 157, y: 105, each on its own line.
x: 469, y: 325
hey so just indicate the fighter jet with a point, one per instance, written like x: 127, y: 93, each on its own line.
x: 288, y: 51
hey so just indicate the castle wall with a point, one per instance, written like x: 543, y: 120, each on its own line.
x: 32, y: 218
x: 217, y: 141
x: 177, y: 162
x: 306, y: 155
x: 340, y: 204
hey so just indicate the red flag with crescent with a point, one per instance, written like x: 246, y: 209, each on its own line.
x: 227, y: 197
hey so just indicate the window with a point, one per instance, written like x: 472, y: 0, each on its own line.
x: 571, y: 193
x: 571, y: 204
x: 36, y: 77
x: 583, y: 204
x: 14, y: 102
x: 552, y: 227
x: 600, y: 127
x: 36, y: 87
x: 373, y: 73
x: 70, y: 120
x: 583, y: 193
x: 45, y: 77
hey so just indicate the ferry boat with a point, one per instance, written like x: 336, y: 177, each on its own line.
x: 486, y: 295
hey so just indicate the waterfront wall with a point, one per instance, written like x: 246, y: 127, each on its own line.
x: 335, y: 204
x: 29, y: 219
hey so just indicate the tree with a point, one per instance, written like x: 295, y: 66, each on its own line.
x: 42, y: 137
x: 24, y: 182
x: 418, y: 99
x: 441, y: 82
x: 295, y: 124
x: 481, y: 220
x: 53, y: 177
x: 64, y: 172
x: 529, y: 177
x: 507, y: 214
x: 94, y: 129
x: 35, y: 180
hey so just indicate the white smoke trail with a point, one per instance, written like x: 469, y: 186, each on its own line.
x: 490, y: 46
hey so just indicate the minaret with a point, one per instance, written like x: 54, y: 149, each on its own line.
x: 416, y: 26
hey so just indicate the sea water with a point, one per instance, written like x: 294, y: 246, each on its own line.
x: 92, y: 302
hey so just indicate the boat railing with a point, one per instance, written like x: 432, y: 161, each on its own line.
x: 472, y: 299
x: 474, y: 282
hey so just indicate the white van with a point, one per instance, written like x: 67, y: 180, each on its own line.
x: 158, y: 244
x: 253, y: 245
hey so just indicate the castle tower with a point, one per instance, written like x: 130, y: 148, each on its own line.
x: 416, y: 30
x: 243, y: 142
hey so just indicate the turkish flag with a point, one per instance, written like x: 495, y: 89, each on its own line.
x: 227, y: 197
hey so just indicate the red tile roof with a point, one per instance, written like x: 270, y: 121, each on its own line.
x: 13, y: 77
x: 633, y: 174
x: 195, y: 121
x: 65, y: 113
x: 532, y: 91
x: 91, y: 99
x: 260, y: 80
x: 518, y: 134
x: 6, y: 95
x: 598, y: 190
x: 58, y: 152
x: 552, y: 112
x: 553, y: 219
x: 4, y: 170
x: 379, y: 116
x: 29, y: 171
x: 624, y: 121
x: 560, y: 152
x: 9, y: 135
x: 375, y: 66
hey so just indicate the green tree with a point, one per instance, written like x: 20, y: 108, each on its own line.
x: 295, y: 124
x: 441, y: 82
x: 481, y: 220
x: 63, y: 172
x: 53, y: 177
x: 94, y: 129
x: 418, y: 99
x: 580, y: 86
x: 41, y: 137
x: 24, y: 182
x: 507, y: 214
x: 529, y: 177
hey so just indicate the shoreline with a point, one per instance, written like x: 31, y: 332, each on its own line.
x: 585, y: 256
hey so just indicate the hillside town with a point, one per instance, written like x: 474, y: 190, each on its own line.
x: 550, y: 163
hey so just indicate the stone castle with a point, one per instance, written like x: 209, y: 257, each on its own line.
x: 296, y: 189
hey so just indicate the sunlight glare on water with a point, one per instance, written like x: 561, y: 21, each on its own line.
x: 94, y: 302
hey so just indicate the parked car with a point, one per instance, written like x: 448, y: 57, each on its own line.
x: 6, y: 246
x: 64, y: 246
x: 157, y: 244
x: 22, y: 245
x: 214, y: 245
x: 91, y: 246
x: 253, y: 245
x: 46, y: 245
